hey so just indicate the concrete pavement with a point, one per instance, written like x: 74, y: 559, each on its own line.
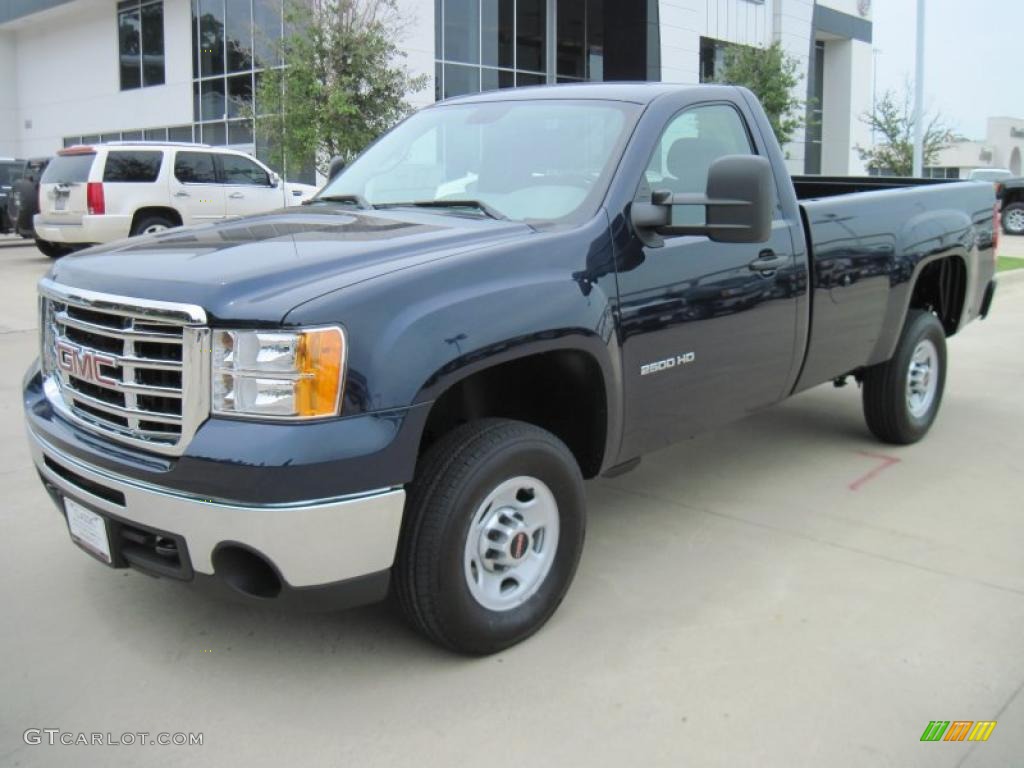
x: 785, y: 592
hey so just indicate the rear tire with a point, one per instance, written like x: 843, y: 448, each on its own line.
x: 150, y: 224
x: 53, y: 250
x: 902, y: 396
x: 493, y: 531
x: 1013, y: 219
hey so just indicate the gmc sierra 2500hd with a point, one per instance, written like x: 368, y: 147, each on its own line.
x: 403, y: 384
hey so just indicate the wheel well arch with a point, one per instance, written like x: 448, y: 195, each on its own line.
x: 561, y: 390
x: 941, y: 287
x: 1011, y: 196
x: 156, y: 210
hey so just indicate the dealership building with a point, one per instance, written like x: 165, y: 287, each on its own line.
x: 82, y: 71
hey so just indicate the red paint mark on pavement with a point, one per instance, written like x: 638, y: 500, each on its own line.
x: 887, y: 461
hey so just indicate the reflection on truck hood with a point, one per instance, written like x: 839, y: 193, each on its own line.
x: 259, y: 268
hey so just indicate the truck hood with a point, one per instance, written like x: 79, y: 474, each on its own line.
x: 257, y: 269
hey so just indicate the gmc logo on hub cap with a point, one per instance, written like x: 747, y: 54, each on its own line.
x: 84, y: 363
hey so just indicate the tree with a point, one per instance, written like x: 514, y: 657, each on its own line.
x: 342, y: 84
x: 771, y: 74
x: 893, y: 121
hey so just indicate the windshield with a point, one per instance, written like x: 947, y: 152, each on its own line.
x: 540, y: 161
x: 990, y: 175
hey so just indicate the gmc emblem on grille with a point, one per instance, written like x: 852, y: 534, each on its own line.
x: 84, y: 363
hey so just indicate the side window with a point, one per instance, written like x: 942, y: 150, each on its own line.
x: 195, y: 168
x: 693, y: 140
x: 133, y: 167
x: 241, y: 170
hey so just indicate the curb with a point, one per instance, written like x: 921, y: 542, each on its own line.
x: 1010, y: 277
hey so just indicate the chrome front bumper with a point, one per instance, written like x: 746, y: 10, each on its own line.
x: 309, y: 544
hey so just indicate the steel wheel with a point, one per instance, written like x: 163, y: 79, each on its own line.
x: 922, y: 378
x: 511, y: 544
x: 152, y: 229
x: 1013, y: 219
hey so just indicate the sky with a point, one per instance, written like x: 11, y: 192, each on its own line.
x: 972, y: 50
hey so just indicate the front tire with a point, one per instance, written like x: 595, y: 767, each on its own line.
x: 493, y: 532
x: 902, y: 396
x: 53, y: 250
x: 1013, y: 219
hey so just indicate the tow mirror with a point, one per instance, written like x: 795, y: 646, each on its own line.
x: 336, y: 167
x: 737, y: 205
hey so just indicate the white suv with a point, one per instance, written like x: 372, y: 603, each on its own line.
x: 105, y: 192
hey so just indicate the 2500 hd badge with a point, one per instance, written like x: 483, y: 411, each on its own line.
x: 668, y: 362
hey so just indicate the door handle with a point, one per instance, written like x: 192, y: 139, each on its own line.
x: 182, y: 194
x: 767, y: 261
x: 236, y: 195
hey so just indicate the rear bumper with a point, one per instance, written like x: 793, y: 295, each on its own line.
x: 318, y: 555
x: 92, y: 229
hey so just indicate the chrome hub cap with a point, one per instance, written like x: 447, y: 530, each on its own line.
x: 922, y: 379
x: 152, y: 229
x: 511, y: 544
x: 1015, y: 220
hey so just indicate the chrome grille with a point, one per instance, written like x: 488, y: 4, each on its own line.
x: 129, y: 368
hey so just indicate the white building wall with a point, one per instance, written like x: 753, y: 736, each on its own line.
x: 792, y: 27
x: 76, y: 89
x: 847, y: 96
x: 8, y: 96
x: 417, y: 42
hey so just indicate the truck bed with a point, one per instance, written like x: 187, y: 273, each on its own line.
x: 868, y: 239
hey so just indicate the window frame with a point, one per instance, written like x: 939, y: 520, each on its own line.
x: 754, y: 149
x: 198, y: 151
x: 218, y: 158
x: 127, y: 7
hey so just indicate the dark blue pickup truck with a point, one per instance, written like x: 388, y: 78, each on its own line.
x: 401, y: 386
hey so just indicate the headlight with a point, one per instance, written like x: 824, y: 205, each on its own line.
x: 278, y: 374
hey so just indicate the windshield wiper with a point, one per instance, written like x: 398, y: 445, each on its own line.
x: 357, y: 200
x: 478, y: 204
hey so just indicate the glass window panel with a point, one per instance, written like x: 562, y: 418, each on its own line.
x: 195, y: 168
x: 70, y: 141
x: 155, y: 134
x: 211, y: 99
x: 570, y: 28
x: 497, y: 31
x: 238, y: 170
x: 438, y: 81
x: 492, y: 79
x: 267, y: 23
x: 92, y: 138
x: 215, y: 134
x: 238, y: 35
x: 211, y: 37
x: 531, y: 35
x: 240, y: 132
x: 462, y: 30
x: 108, y: 137
x: 239, y: 94
x: 153, y: 44
x: 129, y: 45
x: 131, y: 135
x: 132, y: 167
x: 528, y: 78
x: 180, y: 133
x: 195, y: 39
x: 459, y: 80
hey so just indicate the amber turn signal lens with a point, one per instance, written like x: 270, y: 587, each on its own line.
x: 320, y: 362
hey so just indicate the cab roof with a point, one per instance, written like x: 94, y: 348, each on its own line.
x: 633, y: 92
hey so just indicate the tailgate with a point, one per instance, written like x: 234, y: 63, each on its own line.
x: 62, y: 190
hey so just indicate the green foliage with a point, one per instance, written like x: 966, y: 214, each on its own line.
x: 342, y: 84
x: 771, y: 74
x: 892, y: 121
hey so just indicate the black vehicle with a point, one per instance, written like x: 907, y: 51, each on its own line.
x: 403, y: 384
x: 23, y: 200
x: 10, y: 172
x: 1011, y: 194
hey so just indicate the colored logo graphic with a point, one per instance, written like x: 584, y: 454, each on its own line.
x: 958, y: 730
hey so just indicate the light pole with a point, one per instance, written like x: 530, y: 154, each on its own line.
x: 919, y: 95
